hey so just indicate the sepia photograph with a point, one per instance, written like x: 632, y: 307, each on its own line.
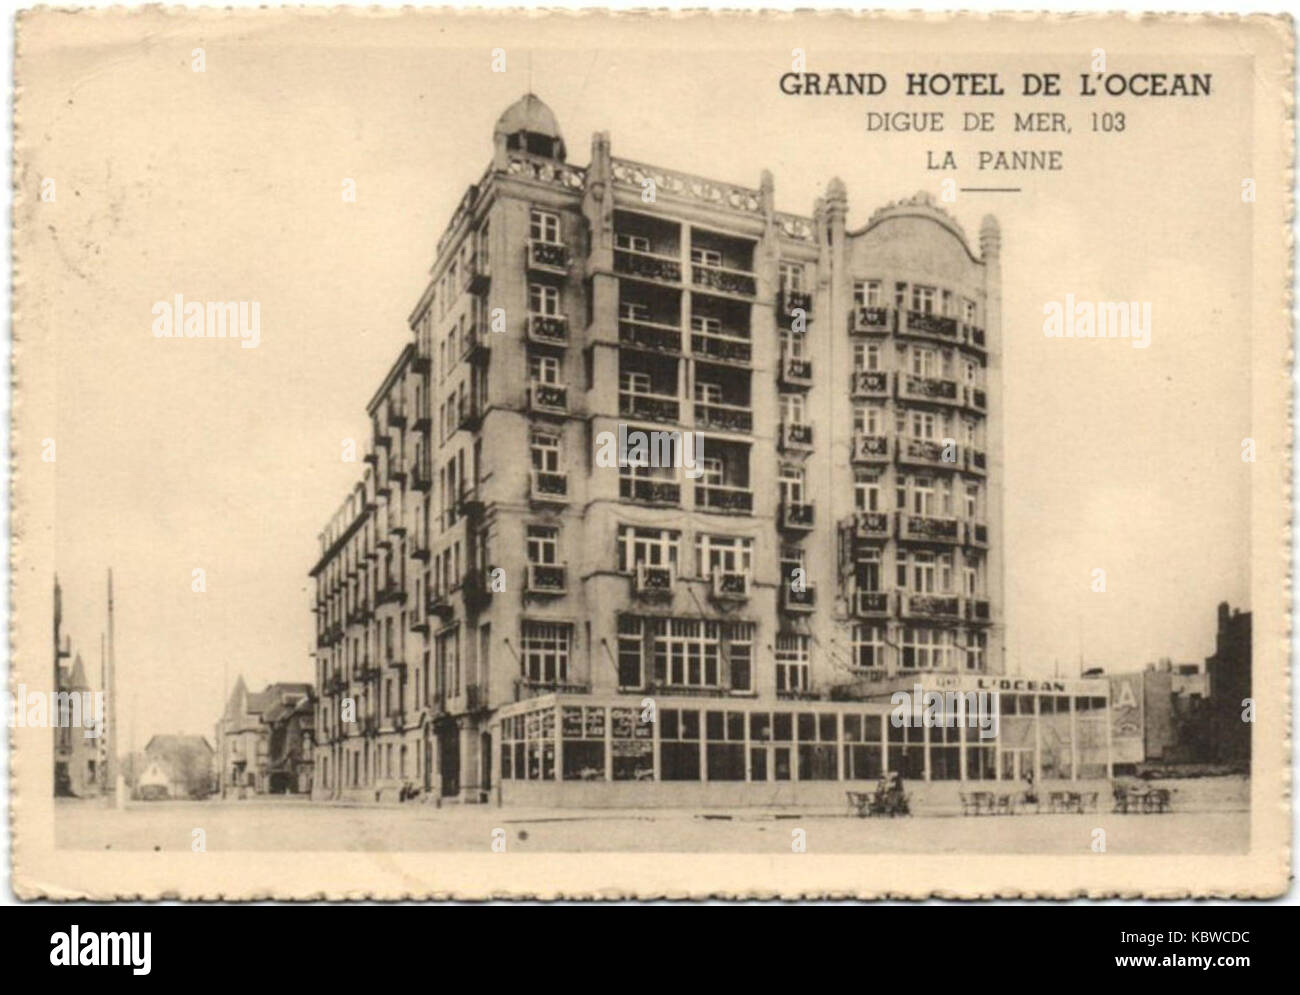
x: 575, y: 454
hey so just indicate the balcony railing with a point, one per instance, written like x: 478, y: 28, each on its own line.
x: 650, y: 265
x: 978, y: 610
x: 548, y: 486
x: 928, y: 528
x: 873, y: 319
x: 936, y: 606
x: 650, y: 335
x: 476, y: 589
x: 548, y: 397
x: 730, y: 585
x: 927, y: 452
x: 648, y: 490
x: 977, y: 534
x: 548, y: 329
x: 796, y: 372
x: 545, y: 578
x: 726, y: 348
x: 931, y: 325
x: 869, y: 383
x: 724, y: 417
x: 477, y: 349
x: 797, y: 516
x: 439, y: 604
x: 976, y: 460
x: 799, y: 600
x: 421, y: 476
x: 973, y: 336
x: 478, y: 274
x: 796, y: 436
x: 548, y: 257
x: 789, y: 300
x: 476, y: 697
x: 652, y: 407
x: 728, y: 281
x: 870, y: 448
x: 976, y: 399
x: 529, y: 688
x: 870, y: 604
x: 937, y: 390
x: 720, y: 497
x: 653, y: 581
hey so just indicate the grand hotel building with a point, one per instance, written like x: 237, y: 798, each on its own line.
x: 510, y: 620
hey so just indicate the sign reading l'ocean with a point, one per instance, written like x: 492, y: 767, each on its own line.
x: 1126, y: 715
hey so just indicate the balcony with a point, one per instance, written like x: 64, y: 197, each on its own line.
x: 873, y: 320
x: 931, y: 606
x: 977, y: 535
x: 421, y: 476
x: 928, y: 528
x: 648, y: 490
x: 391, y: 595
x: 653, y: 582
x: 868, y: 384
x: 548, y: 329
x: 976, y: 460
x: 648, y: 265
x: 478, y: 275
x: 931, y: 390
x: 548, y: 398
x: 976, y: 399
x: 439, y: 605
x: 730, y: 585
x: 799, y: 601
x: 477, y: 350
x: 870, y: 604
x: 528, y: 688
x: 469, y: 416
x: 796, y: 516
x: 650, y: 335
x: 724, y: 417
x: 796, y: 437
x: 934, y: 326
x: 420, y: 549
x: 719, y: 497
x: 476, y: 697
x: 545, y: 578
x: 796, y: 373
x: 973, y: 336
x: 546, y: 487
x: 978, y: 611
x: 477, y: 589
x: 420, y: 623
x: 723, y: 348
x: 368, y: 672
x: 789, y: 300
x: 652, y: 407
x: 422, y: 364
x: 335, y: 685
x: 548, y: 257
x: 870, y: 448
x: 369, y: 726
x: 723, y: 279
x: 926, y: 452
x: 396, y: 416
x: 470, y: 504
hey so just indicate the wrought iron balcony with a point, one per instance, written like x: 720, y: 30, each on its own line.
x: 721, y: 278
x: 787, y: 301
x: 439, y: 604
x: 478, y: 274
x: 724, y: 348
x: 976, y: 460
x: 730, y: 585
x: 930, y: 325
x: 421, y: 476
x: 973, y: 336
x: 548, y: 398
x: 926, y: 452
x: 477, y: 349
x: 720, y: 497
x: 650, y: 335
x: 870, y: 604
x: 796, y: 372
x: 796, y: 436
x: 548, y: 329
x: 545, y: 578
x: 873, y: 320
x: 652, y: 407
x: 799, y: 601
x: 928, y: 528
x: 528, y: 688
x: 477, y: 590
x: 978, y: 611
x: 977, y: 534
x: 934, y: 390
x: 653, y: 581
x: 548, y: 257
x: 870, y: 448
x: 547, y: 487
x: 797, y: 516
x: 869, y: 384
x: 648, y: 490
x: 976, y: 399
x: 724, y: 417
x: 931, y: 606
x: 650, y: 265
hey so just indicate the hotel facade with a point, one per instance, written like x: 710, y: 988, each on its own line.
x: 501, y: 615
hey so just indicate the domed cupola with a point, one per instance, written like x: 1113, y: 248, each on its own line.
x: 528, y: 125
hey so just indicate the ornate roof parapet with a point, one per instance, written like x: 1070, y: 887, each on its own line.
x: 921, y: 204
x: 990, y: 238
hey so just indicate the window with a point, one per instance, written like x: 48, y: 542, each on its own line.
x: 687, y: 652
x: 923, y: 299
x: 545, y: 452
x: 977, y: 645
x: 925, y: 362
x: 655, y: 547
x: 631, y: 652
x: 866, y: 356
x: 923, y: 572
x: 866, y: 493
x: 706, y: 325
x: 968, y: 311
x: 543, y: 226
x: 792, y: 345
x: 729, y: 554
x: 900, y: 295
x: 706, y: 257
x: 544, y: 369
x: 792, y: 662
x: 866, y: 570
x: 712, y: 470
x: 969, y: 582
x: 793, y: 409
x: 634, y: 382
x: 543, y: 299
x: 543, y: 544
x: 868, y: 646
x: 631, y: 243
x: 790, y: 275
x: 923, y: 496
x: 545, y: 655
x: 708, y: 393
x: 679, y: 745
x: 867, y: 293
x: 791, y: 484
x: 868, y: 419
x: 972, y: 500
x: 924, y: 424
x: 925, y: 649
x: 633, y: 311
x: 949, y: 306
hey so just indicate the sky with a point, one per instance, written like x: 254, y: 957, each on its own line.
x: 225, y: 185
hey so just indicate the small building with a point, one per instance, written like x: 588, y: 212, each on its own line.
x: 291, y: 745
x: 187, y: 761
x: 155, y: 781
x: 244, y: 736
